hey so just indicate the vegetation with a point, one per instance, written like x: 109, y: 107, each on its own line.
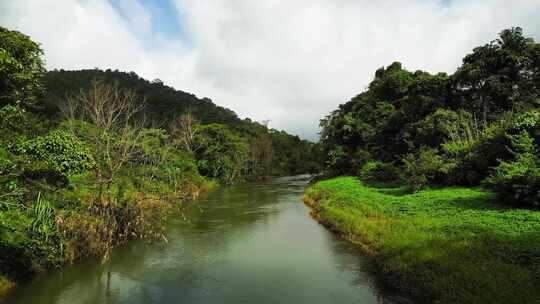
x: 437, y: 134
x: 91, y: 159
x: 441, y: 245
x: 270, y: 152
x: 477, y: 126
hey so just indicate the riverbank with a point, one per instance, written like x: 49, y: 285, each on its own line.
x: 449, y: 245
x: 71, y: 224
x: 232, y: 245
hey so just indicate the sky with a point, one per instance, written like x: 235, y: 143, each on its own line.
x: 290, y: 62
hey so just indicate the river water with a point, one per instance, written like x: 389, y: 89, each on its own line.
x: 251, y: 243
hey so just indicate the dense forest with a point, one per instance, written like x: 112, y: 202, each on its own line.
x: 90, y: 159
x: 478, y: 126
x: 443, y: 185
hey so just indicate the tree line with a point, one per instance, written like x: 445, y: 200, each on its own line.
x: 477, y: 126
x: 164, y: 106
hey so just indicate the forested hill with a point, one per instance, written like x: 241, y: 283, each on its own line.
x: 163, y: 104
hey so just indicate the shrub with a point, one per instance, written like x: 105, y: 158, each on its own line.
x: 376, y: 171
x: 425, y: 167
x: 519, y: 180
x: 59, y: 150
x: 96, y: 230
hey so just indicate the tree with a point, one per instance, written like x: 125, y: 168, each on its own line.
x: 114, y: 131
x: 21, y: 68
x: 174, y: 108
x: 222, y: 153
x: 499, y: 76
x: 440, y: 128
x: 184, y: 131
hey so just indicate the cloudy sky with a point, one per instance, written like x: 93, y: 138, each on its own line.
x: 288, y: 61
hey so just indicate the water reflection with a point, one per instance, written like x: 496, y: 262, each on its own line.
x: 252, y: 243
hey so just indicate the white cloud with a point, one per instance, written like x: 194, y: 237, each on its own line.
x: 137, y: 16
x: 291, y: 62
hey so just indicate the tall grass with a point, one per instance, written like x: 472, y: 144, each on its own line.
x: 42, y: 216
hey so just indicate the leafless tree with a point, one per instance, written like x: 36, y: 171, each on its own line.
x: 184, y: 130
x: 116, y: 130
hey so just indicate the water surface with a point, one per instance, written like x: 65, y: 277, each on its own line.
x: 252, y: 243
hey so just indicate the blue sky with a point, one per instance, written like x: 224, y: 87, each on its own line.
x: 164, y: 16
x: 291, y: 62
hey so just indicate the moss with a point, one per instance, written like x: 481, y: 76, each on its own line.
x: 446, y: 245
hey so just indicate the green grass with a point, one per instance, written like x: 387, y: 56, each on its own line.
x: 446, y: 245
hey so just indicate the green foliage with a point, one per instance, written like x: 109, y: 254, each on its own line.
x: 289, y: 155
x: 152, y: 148
x: 423, y: 168
x: 445, y: 129
x: 376, y: 171
x: 61, y: 151
x: 54, y: 210
x: 21, y: 68
x: 222, y: 153
x: 6, y: 161
x: 518, y: 180
x: 12, y: 120
x: 500, y: 76
x: 42, y: 216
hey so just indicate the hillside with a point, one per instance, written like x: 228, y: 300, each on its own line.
x: 290, y: 154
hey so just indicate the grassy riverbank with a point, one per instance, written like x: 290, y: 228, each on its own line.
x: 452, y: 245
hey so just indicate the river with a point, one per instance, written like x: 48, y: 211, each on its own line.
x: 250, y: 243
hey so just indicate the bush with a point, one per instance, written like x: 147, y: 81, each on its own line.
x: 519, y: 180
x: 6, y: 161
x: 376, y: 171
x: 59, y: 150
x: 96, y: 230
x: 425, y: 167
